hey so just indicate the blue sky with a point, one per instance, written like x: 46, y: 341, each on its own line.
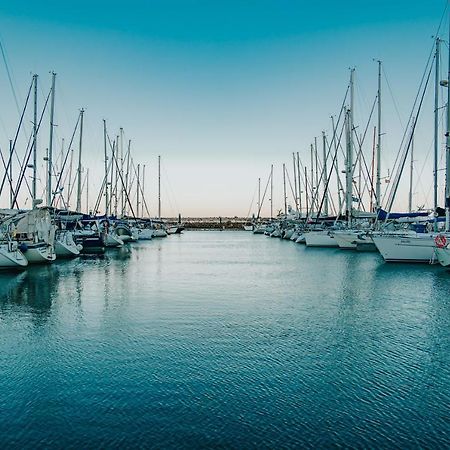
x: 220, y: 89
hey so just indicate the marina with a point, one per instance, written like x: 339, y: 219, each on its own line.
x: 225, y: 225
x: 168, y: 343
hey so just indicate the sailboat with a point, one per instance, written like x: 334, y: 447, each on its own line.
x: 419, y: 245
x: 35, y: 232
x: 11, y: 256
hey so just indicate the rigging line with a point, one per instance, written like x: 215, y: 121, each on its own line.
x: 392, y: 96
x: 121, y: 179
x: 420, y: 174
x: 328, y: 180
x: 425, y: 79
x: 264, y: 195
x: 22, y: 174
x: 400, y: 171
x: 2, y: 49
x: 133, y: 167
x: 69, y: 149
x: 251, y: 204
x: 17, y: 134
x: 314, y: 200
x: 290, y: 184
x: 172, y: 193
x: 4, y: 166
x: 102, y: 187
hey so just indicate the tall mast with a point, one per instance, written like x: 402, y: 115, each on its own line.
x: 295, y: 182
x: 50, y: 145
x: 316, y: 159
x: 325, y: 175
x: 271, y: 191
x: 349, y: 168
x: 116, y: 164
x: 35, y: 78
x: 411, y: 168
x: 137, y: 190
x: 378, y: 181
x: 143, y: 190
x: 284, y: 190
x: 306, y: 192
x: 127, y: 181
x: 123, y: 188
x: 436, y: 125
x: 447, y: 154
x: 11, y: 193
x: 79, y: 162
x: 106, y: 169
x: 312, y: 180
x: 299, y: 186
x: 348, y: 172
x: 159, y: 187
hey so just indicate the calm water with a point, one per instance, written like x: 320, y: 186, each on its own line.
x: 214, y: 339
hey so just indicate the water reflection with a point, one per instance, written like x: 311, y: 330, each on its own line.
x: 34, y: 290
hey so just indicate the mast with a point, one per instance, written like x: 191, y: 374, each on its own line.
x: 284, y: 190
x: 79, y: 162
x: 411, y: 169
x: 143, y: 191
x: 325, y: 175
x: 117, y: 173
x: 106, y: 169
x: 137, y: 190
x: 271, y: 192
x: 159, y: 187
x: 35, y: 78
x: 295, y: 182
x: 349, y: 168
x: 348, y: 171
x: 312, y: 180
x: 299, y: 186
x: 447, y: 154
x: 306, y: 191
x: 436, y: 126
x: 11, y: 193
x: 87, y: 191
x: 50, y: 145
x: 127, y: 181
x: 316, y: 173
x: 122, y: 188
x: 378, y: 182
x: 259, y: 196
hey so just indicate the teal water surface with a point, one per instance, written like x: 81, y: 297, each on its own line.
x: 229, y: 340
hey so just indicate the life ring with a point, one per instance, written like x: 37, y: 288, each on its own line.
x: 440, y: 240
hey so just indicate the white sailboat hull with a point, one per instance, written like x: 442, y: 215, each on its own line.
x: 10, y: 259
x: 145, y: 234
x: 352, y: 240
x: 64, y: 250
x: 320, y: 239
x: 39, y: 254
x: 113, y: 241
x: 406, y: 248
x: 159, y: 233
x: 65, y: 246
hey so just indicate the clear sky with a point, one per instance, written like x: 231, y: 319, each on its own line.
x: 220, y: 89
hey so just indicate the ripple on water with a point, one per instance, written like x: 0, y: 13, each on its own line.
x: 225, y: 340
